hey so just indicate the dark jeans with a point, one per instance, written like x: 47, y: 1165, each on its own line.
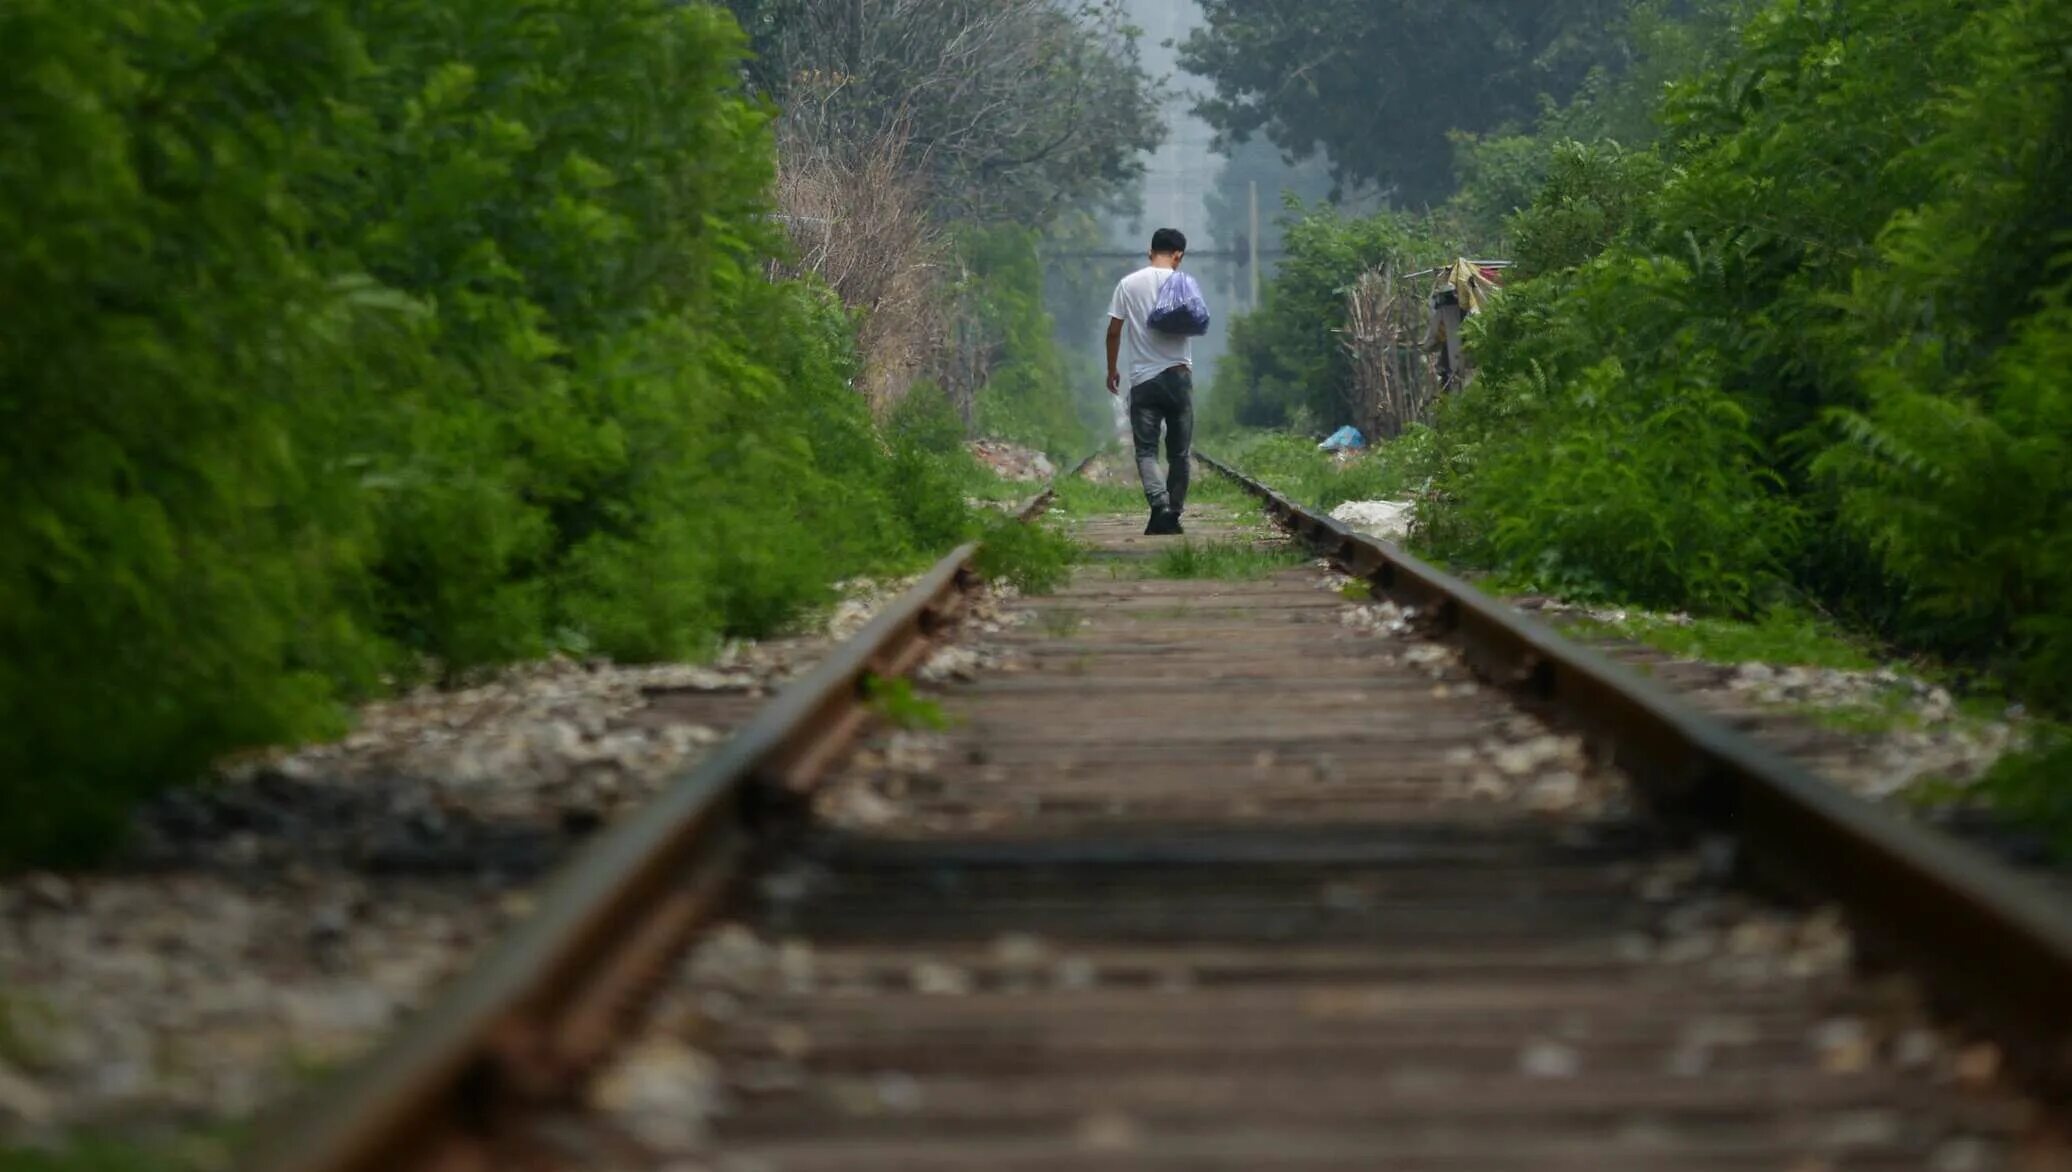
x: 1167, y: 399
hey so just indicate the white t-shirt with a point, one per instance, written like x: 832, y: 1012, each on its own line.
x: 1151, y: 352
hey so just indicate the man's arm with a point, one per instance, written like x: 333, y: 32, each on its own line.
x: 1114, y: 352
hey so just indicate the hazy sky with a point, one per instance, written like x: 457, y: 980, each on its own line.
x: 1177, y: 180
x: 1179, y: 175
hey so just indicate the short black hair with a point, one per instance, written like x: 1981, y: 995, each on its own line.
x: 1168, y: 240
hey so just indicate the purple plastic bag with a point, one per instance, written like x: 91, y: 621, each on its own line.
x: 1180, y: 308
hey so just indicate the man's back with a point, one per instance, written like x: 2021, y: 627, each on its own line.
x: 1151, y: 351
x: 1161, y: 380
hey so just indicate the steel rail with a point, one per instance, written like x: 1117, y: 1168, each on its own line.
x: 1993, y: 946
x: 523, y: 1025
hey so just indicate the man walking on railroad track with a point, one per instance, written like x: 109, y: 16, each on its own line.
x: 1161, y: 371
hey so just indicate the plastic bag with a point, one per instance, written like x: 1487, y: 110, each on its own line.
x: 1347, y: 438
x: 1180, y: 308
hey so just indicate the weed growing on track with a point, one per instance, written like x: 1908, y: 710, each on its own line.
x: 1035, y: 557
x: 1292, y: 466
x: 896, y: 703
x: 1080, y: 497
x: 2030, y: 785
x: 1210, y: 487
x: 1782, y: 636
x: 1225, y: 560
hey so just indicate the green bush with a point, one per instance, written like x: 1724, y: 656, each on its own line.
x: 931, y: 470
x: 1649, y: 492
x: 1029, y: 394
x: 1817, y: 351
x: 1957, y: 467
x: 1593, y: 194
x: 355, y: 341
x: 177, y: 572
x: 1034, y: 558
x: 1640, y: 482
x: 2030, y: 785
x: 1286, y: 367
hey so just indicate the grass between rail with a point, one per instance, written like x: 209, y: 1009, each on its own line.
x: 1081, y: 497
x: 1293, y: 466
x: 1217, y: 559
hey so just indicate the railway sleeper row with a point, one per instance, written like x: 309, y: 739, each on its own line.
x: 1202, y: 887
x: 1234, y: 875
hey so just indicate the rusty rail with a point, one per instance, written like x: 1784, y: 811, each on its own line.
x: 1994, y: 946
x: 530, y: 1018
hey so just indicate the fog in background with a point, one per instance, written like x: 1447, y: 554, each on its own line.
x: 1189, y: 186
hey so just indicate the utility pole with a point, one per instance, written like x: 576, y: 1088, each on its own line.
x: 1252, y: 264
x: 855, y: 31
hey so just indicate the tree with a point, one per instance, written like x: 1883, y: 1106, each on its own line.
x: 1015, y: 109
x: 1377, y: 85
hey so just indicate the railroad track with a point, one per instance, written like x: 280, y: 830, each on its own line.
x: 1240, y: 875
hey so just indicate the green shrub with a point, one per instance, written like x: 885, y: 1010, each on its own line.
x: 1234, y: 561
x: 1029, y: 395
x: 1644, y: 493
x: 1593, y: 194
x: 1957, y: 467
x: 931, y: 470
x: 1824, y: 357
x: 177, y: 572
x: 1286, y: 366
x: 2031, y: 786
x: 365, y: 340
x: 1035, y: 558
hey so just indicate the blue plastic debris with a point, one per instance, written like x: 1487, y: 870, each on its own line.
x: 1345, y: 439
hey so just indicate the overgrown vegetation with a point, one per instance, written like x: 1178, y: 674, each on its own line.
x: 895, y: 702
x: 1285, y: 367
x: 2031, y: 786
x: 1034, y: 558
x: 1780, y: 637
x: 1807, y: 366
x: 1788, y: 335
x: 358, y: 344
x: 1023, y: 387
x: 1798, y: 342
x: 1227, y: 560
x: 924, y: 147
x: 1293, y: 466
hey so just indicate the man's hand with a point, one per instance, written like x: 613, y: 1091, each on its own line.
x: 1114, y: 355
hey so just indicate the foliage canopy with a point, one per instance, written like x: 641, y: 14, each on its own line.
x: 1019, y: 109
x: 1796, y: 336
x: 1311, y: 76
x: 355, y: 342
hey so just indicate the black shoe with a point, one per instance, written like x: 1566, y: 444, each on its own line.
x: 1175, y: 521
x: 1163, y: 523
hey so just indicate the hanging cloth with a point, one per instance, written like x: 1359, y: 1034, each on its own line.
x: 1470, y: 285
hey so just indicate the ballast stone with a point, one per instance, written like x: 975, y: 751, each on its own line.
x: 1388, y: 520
